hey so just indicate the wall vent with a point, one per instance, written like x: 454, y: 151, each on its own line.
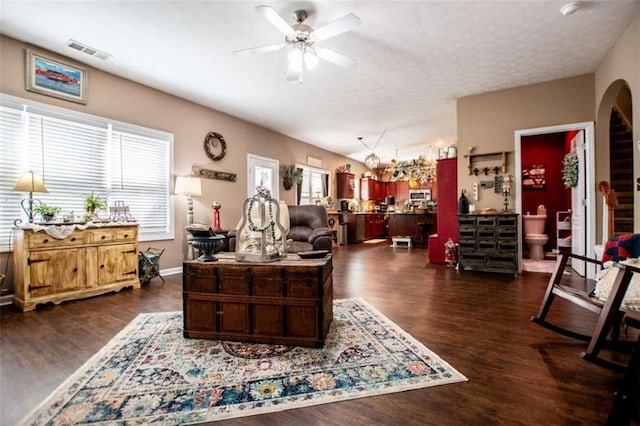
x: 88, y: 50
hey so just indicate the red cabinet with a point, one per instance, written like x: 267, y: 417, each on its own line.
x: 345, y: 184
x: 447, y: 190
x: 375, y: 226
x: 372, y: 189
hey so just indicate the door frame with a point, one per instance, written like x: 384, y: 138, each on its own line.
x: 271, y: 163
x: 589, y: 173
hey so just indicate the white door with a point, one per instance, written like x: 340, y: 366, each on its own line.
x: 262, y: 171
x: 579, y: 206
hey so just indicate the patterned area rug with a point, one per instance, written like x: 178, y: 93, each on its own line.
x: 149, y: 373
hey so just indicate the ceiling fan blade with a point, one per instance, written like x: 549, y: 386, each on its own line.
x: 336, y: 58
x: 342, y: 25
x: 275, y: 19
x: 270, y: 48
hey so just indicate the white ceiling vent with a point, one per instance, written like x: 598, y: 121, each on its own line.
x: 88, y: 50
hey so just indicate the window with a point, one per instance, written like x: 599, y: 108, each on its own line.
x: 314, y: 186
x: 79, y: 154
x: 262, y: 171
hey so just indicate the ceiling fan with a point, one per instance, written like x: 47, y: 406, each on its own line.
x: 301, y: 39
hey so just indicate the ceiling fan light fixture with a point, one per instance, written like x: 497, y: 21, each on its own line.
x: 310, y: 60
x: 295, y: 60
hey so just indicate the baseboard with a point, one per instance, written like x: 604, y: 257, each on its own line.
x: 171, y: 271
x: 6, y: 299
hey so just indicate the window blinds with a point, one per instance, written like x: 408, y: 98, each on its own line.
x: 78, y: 154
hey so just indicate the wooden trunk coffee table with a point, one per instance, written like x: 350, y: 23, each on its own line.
x: 288, y: 302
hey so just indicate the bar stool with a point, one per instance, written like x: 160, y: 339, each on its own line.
x: 422, y: 229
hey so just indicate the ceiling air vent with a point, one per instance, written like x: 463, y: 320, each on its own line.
x: 88, y: 50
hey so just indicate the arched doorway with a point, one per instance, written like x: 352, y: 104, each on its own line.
x: 615, y: 153
x: 621, y: 159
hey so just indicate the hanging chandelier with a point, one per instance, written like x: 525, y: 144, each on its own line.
x: 372, y: 161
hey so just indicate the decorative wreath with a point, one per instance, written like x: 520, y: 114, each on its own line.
x: 215, y: 146
x: 570, y: 170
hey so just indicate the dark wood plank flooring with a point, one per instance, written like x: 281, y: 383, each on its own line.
x: 519, y: 372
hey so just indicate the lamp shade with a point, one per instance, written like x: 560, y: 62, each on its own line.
x: 30, y: 182
x: 188, y: 185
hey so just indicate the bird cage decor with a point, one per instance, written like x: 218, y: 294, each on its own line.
x: 261, y: 235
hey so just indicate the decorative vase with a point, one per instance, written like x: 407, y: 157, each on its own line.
x: 207, y: 246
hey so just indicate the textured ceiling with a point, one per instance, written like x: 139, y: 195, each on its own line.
x: 415, y: 58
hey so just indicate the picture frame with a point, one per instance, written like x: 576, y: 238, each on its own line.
x: 534, y: 177
x: 56, y: 78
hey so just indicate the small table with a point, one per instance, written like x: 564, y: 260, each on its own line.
x: 288, y: 302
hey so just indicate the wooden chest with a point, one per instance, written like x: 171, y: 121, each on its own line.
x: 289, y: 302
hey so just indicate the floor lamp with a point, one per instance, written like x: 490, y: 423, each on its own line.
x: 29, y: 182
x: 189, y: 186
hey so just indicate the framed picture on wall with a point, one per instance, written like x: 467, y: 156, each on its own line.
x: 533, y: 177
x: 56, y: 78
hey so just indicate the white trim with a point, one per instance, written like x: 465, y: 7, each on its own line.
x: 590, y: 172
x: 6, y: 299
x: 252, y: 161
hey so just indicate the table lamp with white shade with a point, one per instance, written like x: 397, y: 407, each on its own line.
x: 29, y: 182
x: 190, y: 186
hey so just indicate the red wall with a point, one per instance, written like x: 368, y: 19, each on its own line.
x: 548, y: 150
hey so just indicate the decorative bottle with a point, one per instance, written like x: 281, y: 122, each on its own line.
x: 463, y: 203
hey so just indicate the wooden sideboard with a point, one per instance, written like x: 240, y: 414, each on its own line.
x: 87, y: 262
x: 288, y: 302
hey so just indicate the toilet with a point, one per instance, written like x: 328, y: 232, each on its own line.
x: 534, y: 232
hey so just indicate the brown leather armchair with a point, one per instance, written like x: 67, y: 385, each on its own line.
x: 308, y: 229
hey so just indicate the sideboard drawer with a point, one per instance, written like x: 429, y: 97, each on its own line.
x: 103, y: 236
x: 44, y: 240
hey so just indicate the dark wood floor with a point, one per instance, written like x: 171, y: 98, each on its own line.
x: 519, y: 373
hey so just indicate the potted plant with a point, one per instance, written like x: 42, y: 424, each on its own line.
x: 94, y: 203
x: 46, y: 211
x: 291, y: 175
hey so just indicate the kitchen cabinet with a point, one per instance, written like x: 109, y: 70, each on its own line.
x: 488, y: 242
x: 345, y: 185
x: 375, y: 226
x: 399, y: 190
x: 86, y: 262
x: 416, y: 226
x: 372, y: 189
x: 365, y: 226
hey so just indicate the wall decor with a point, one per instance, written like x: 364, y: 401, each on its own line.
x: 213, y: 174
x: 533, y: 177
x: 570, y: 170
x: 56, y: 78
x: 215, y: 146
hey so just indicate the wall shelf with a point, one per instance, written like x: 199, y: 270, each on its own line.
x: 501, y: 156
